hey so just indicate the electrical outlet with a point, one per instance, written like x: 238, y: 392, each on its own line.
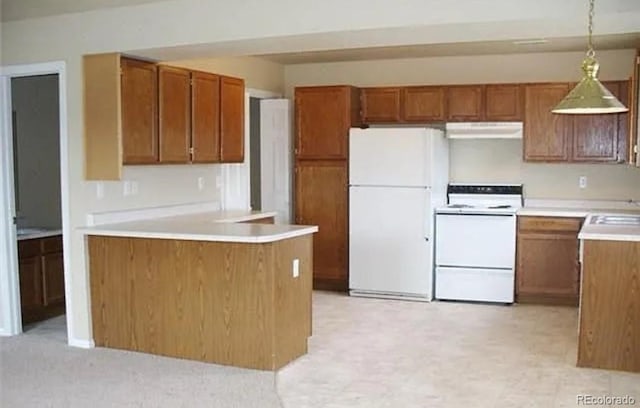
x: 582, y: 181
x: 134, y: 187
x: 296, y: 268
x: 200, y: 183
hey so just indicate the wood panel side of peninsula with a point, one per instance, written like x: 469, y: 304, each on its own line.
x: 220, y: 302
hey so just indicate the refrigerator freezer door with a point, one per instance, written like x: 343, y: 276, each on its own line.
x: 389, y: 157
x: 390, y: 248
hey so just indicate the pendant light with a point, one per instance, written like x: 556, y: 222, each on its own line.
x: 590, y: 96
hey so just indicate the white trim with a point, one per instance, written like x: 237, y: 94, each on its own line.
x: 86, y: 344
x: 10, y: 319
x: 12, y: 314
x: 262, y: 94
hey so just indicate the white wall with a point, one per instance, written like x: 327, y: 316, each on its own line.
x: 37, y: 148
x: 494, y: 160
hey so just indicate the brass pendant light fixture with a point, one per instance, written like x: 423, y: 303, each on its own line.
x: 590, y: 96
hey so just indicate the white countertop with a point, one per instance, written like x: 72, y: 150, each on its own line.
x: 576, y: 208
x: 605, y: 232
x: 585, y: 209
x: 40, y: 234
x: 217, y: 226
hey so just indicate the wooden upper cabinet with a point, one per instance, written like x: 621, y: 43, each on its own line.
x: 504, y: 103
x: 381, y: 105
x: 546, y: 135
x: 424, y: 104
x: 139, y: 98
x: 323, y: 117
x: 231, y: 120
x: 597, y: 137
x: 205, y: 117
x: 465, y: 102
x: 175, y: 114
x: 321, y: 199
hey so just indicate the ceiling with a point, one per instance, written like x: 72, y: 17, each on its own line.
x: 12, y: 10
x: 606, y: 42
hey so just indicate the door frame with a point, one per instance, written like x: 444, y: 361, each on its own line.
x: 10, y: 313
x: 260, y: 94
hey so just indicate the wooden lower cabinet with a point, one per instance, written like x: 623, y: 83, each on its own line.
x: 548, y: 267
x: 231, y: 303
x: 41, y: 272
x: 609, y: 330
x: 321, y: 197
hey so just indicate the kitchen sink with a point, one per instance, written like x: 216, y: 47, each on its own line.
x: 617, y: 219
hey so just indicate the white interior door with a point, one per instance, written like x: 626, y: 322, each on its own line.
x: 275, y: 157
x: 389, y: 243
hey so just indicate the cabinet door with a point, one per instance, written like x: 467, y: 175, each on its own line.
x: 548, y: 265
x: 323, y: 118
x: 53, y: 276
x: 546, y: 135
x: 599, y: 138
x: 205, y: 117
x: 175, y: 114
x: 31, y: 296
x: 139, y: 95
x: 380, y: 105
x: 464, y: 102
x: 503, y: 103
x: 231, y: 120
x: 321, y: 199
x: 424, y: 104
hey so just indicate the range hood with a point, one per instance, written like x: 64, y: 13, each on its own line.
x: 484, y: 130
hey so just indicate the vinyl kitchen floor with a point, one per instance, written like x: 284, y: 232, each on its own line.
x: 384, y: 353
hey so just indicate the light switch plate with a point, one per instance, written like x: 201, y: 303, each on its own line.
x: 200, y: 183
x: 99, y: 190
x: 582, y: 181
x: 296, y: 268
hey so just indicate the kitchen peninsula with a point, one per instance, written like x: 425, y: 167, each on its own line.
x: 228, y: 291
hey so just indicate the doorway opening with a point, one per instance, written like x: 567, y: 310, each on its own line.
x: 270, y: 153
x: 35, y: 123
x: 34, y: 202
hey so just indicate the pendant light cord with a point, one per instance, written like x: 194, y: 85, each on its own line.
x: 590, y: 52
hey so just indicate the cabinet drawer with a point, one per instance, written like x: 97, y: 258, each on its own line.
x: 52, y: 244
x: 28, y: 248
x: 549, y: 224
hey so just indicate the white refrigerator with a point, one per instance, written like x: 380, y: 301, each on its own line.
x: 397, y: 176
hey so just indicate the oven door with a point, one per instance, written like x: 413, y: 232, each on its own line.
x: 476, y: 240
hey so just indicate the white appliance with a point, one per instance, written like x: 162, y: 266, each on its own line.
x: 484, y: 130
x: 475, y: 243
x: 397, y: 176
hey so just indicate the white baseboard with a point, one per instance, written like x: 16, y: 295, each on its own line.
x: 80, y: 343
x: 6, y: 333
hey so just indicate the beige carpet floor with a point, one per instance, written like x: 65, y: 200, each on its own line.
x: 38, y: 369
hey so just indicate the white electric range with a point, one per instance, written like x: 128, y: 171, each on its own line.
x: 475, y: 243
